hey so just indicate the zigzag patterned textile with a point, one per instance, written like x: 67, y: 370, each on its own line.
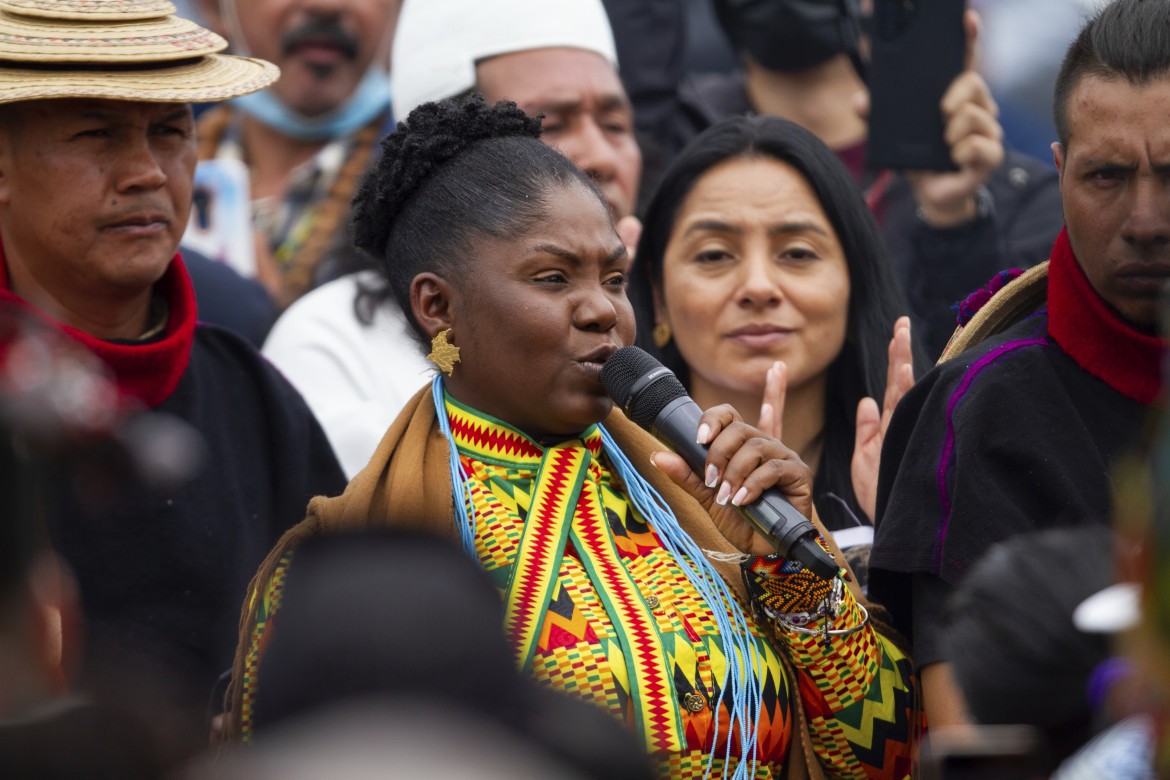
x: 784, y: 585
x: 565, y: 503
x: 619, y: 602
x: 622, y: 626
x: 261, y: 636
x: 601, y: 609
x: 860, y: 699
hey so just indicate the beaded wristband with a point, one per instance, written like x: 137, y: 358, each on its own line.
x: 830, y: 607
x: 780, y: 586
x: 837, y: 602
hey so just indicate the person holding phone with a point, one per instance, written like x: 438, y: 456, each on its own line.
x: 1021, y: 430
x: 947, y: 232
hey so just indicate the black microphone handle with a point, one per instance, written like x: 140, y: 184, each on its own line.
x: 771, y: 514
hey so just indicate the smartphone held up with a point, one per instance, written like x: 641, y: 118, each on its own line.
x: 918, y: 48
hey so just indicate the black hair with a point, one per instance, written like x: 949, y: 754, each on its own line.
x: 455, y: 171
x: 1127, y: 39
x: 875, y: 300
x: 349, y: 598
x: 1010, y: 637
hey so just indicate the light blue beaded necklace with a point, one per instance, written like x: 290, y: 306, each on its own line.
x: 742, y: 679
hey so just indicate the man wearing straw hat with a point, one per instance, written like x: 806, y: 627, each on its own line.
x: 97, y: 153
x: 1051, y: 381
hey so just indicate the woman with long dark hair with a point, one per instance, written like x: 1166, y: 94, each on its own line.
x: 762, y: 282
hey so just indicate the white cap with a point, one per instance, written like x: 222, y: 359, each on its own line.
x: 438, y: 42
x: 1110, y: 610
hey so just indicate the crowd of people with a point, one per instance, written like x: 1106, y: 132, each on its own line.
x: 306, y: 311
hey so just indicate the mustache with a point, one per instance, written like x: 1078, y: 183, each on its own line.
x: 321, y: 28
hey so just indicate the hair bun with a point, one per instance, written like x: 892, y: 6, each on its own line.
x: 431, y: 135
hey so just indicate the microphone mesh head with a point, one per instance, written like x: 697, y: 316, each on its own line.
x: 622, y: 371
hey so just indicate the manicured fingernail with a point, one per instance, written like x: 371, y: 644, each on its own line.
x: 704, y: 434
x: 653, y: 462
x: 712, y: 476
x: 739, y: 497
x: 723, y: 494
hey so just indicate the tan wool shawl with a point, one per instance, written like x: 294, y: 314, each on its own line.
x: 407, y: 486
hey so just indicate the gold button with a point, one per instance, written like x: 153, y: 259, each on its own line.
x: 652, y: 602
x: 694, y: 702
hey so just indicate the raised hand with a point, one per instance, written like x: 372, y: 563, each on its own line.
x: 743, y: 462
x: 872, y: 424
x: 772, y: 407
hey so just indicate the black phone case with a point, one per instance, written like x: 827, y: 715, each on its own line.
x: 918, y: 50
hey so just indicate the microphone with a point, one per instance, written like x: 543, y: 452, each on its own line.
x: 651, y: 395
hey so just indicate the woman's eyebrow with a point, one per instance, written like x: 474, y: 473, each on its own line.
x: 553, y: 249
x: 797, y: 227
x: 713, y: 225
x: 717, y: 226
x: 572, y: 257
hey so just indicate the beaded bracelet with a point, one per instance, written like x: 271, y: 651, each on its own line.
x: 797, y: 622
x: 831, y: 607
x: 779, y: 585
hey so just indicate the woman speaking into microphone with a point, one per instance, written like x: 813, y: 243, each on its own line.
x: 628, y: 580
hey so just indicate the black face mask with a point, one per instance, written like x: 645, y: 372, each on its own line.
x: 785, y: 35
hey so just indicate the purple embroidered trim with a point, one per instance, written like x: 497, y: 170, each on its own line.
x: 944, y: 462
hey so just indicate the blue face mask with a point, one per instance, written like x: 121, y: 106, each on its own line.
x: 371, y: 98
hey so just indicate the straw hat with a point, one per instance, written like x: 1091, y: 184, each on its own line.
x: 1014, y: 301
x: 120, y: 50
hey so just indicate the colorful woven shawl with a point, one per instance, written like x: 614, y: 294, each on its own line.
x: 408, y: 485
x: 597, y: 581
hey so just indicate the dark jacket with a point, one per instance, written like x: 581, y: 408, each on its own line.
x: 162, y: 572
x: 1014, y: 434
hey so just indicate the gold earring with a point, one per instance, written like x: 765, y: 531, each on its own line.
x: 443, y: 355
x: 662, y: 334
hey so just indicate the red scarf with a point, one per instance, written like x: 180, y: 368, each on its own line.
x: 148, y: 372
x: 1095, y: 336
